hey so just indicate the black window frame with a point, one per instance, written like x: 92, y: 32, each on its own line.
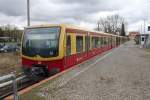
x: 143, y: 39
x: 78, y: 49
x: 57, y: 53
x: 68, y: 45
x: 87, y: 43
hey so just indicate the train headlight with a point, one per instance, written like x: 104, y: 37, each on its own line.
x: 39, y: 62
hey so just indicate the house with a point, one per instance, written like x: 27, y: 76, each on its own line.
x: 133, y: 34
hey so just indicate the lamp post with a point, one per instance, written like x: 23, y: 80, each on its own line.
x: 28, y: 12
x: 144, y: 26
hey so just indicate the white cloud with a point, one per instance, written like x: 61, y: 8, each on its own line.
x: 79, y: 12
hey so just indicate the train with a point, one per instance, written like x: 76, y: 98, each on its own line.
x: 50, y: 49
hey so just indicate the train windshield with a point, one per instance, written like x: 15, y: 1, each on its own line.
x: 41, y: 41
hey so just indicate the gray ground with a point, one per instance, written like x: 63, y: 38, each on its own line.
x: 122, y: 75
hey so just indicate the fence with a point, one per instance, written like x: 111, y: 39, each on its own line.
x: 11, y: 79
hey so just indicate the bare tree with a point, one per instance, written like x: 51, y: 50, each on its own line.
x: 10, y: 31
x: 1, y: 32
x: 111, y: 24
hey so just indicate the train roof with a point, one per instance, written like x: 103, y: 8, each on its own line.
x: 72, y: 27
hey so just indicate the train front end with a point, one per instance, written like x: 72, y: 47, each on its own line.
x: 42, y: 51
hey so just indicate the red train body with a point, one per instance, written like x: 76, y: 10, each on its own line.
x: 75, y: 45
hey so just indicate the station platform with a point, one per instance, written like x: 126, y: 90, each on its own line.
x: 120, y: 74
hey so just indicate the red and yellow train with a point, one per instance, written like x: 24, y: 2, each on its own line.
x: 49, y: 49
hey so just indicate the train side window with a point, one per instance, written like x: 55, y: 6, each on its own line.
x: 90, y: 38
x: 104, y: 41
x: 100, y: 42
x: 107, y: 41
x: 114, y: 42
x: 111, y: 40
x: 86, y: 43
x: 117, y: 40
x: 79, y: 44
x: 96, y: 42
x: 93, y: 42
x: 68, y: 45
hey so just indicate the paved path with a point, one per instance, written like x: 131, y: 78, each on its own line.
x: 123, y: 74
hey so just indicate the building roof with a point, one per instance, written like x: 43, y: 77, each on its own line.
x: 134, y: 33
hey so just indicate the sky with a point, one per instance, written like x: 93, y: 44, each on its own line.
x: 84, y: 13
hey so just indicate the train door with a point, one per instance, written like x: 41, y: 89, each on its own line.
x: 111, y: 42
x: 114, y: 41
x: 80, y: 47
x: 108, y: 42
x: 69, y: 56
x: 87, y: 43
x: 104, y: 41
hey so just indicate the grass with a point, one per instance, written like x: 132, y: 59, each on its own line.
x: 10, y: 62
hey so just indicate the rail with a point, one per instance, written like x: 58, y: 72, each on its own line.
x: 11, y: 79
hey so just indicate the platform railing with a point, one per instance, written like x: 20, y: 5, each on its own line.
x: 8, y: 80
